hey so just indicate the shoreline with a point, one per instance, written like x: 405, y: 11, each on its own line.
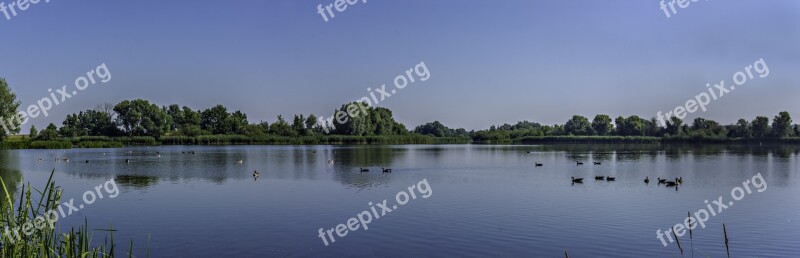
x: 94, y: 142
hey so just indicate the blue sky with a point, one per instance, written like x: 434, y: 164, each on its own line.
x: 491, y: 62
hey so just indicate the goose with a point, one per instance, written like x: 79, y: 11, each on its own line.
x: 577, y: 180
x: 330, y: 161
x: 598, y: 163
x: 255, y: 173
x: 364, y: 170
x: 87, y: 161
x: 608, y: 178
x: 599, y: 177
x: 662, y: 180
x: 387, y: 170
x: 679, y: 180
x: 647, y: 180
x: 578, y: 163
x: 670, y: 183
x: 538, y: 164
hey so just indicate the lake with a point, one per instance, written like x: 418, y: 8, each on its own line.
x: 482, y: 200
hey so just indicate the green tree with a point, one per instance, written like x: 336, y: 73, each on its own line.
x: 176, y: 113
x: 674, y: 126
x: 282, y: 128
x: 71, y: 127
x: 602, y: 125
x: 311, y: 125
x: 356, y: 122
x: 141, y: 118
x: 435, y: 129
x: 298, y: 125
x: 782, y: 125
x: 631, y: 126
x: 34, y: 133
x: 741, y: 129
x: 10, y: 120
x: 237, y: 123
x: 216, y: 120
x: 760, y: 127
x: 578, y: 125
x: 48, y: 134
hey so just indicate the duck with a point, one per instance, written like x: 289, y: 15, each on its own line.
x: 578, y: 163
x: 647, y: 180
x: 608, y: 178
x: 599, y: 177
x: 538, y: 164
x: 387, y: 170
x: 670, y: 183
x: 577, y: 180
x: 598, y: 163
x: 256, y: 174
x: 87, y: 161
x: 662, y: 180
x: 330, y: 161
x: 364, y: 169
x: 240, y: 161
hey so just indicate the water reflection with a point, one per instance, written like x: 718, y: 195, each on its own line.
x: 143, y: 167
x: 138, y: 182
x: 9, y: 171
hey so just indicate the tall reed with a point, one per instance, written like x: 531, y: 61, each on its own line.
x: 46, y: 242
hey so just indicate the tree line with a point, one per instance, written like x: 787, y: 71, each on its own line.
x: 139, y: 117
x: 675, y: 128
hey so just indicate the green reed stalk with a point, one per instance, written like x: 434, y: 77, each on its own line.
x: 44, y: 242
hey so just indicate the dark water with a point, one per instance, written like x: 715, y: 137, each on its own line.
x: 484, y: 201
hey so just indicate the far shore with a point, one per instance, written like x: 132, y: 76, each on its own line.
x: 24, y: 142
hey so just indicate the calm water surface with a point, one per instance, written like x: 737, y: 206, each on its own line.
x: 486, y: 200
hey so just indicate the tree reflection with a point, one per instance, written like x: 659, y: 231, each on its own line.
x: 136, y: 181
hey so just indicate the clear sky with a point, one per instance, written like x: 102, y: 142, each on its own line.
x: 491, y: 62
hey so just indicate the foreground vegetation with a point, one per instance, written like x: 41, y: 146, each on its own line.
x: 46, y: 242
